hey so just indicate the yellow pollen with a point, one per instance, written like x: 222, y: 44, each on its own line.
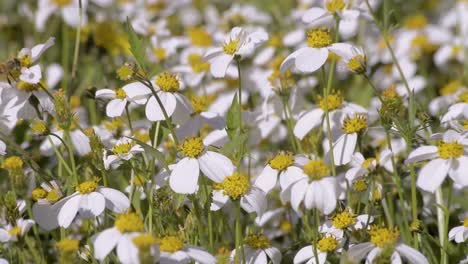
x: 360, y: 185
x: 192, y: 147
x: 26, y: 61
x: 53, y: 196
x: 327, y: 244
x: 332, y: 101
x: 115, y: 124
x: 357, y: 64
x: 197, y: 63
x: 316, y: 169
x: 62, y: 3
x: 125, y: 72
x: 168, y: 82
x: 142, y: 136
x: 343, y: 220
x: 120, y: 94
x: 257, y: 241
x: 122, y: 149
x: 465, y: 124
x: 144, y: 242
x: 276, y: 62
x: 281, y: 161
x: 368, y: 163
x: 355, y: 124
x: 68, y: 245
x: 231, y: 47
x: 465, y: 222
x: 38, y: 193
x: 200, y: 103
x: 384, y: 237
x: 160, y: 53
x: 275, y: 41
x: 86, y: 187
x: 335, y: 5
x: 449, y: 150
x: 422, y: 42
x: 15, y: 231
x: 129, y: 222
x: 199, y: 37
x: 170, y: 244
x: 319, y: 38
x: 235, y: 185
x: 27, y: 87
x: 418, y: 21
x: 13, y: 163
x: 456, y: 49
x: 139, y: 180
x: 285, y: 226
x: 390, y: 93
x: 463, y: 97
x: 450, y: 88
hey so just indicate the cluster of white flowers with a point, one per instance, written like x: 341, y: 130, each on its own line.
x: 308, y: 131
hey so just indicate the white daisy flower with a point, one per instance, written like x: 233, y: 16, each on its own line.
x: 45, y: 214
x: 327, y: 244
x: 12, y: 233
x: 360, y: 166
x: 124, y: 149
x: 133, y: 92
x: 28, y: 56
x: 345, y: 221
x: 385, y: 239
x: 193, y: 68
x: 176, y: 105
x: 459, y: 233
x: 315, y: 188
x: 173, y: 250
x: 448, y: 157
x: 240, y: 43
x: 344, y: 146
x: 90, y: 200
x: 69, y: 10
x: 258, y: 249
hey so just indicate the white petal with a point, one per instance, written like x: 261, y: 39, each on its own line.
x: 45, y: 216
x: 154, y: 112
x: 219, y: 65
x: 266, y: 181
x: 343, y: 148
x: 184, y: 176
x: 137, y: 92
x: 219, y: 200
x: 274, y: 254
x: 105, y: 94
x: 411, y: 254
x: 298, y: 191
x: 308, y: 122
x: 216, y: 166
x: 68, y: 211
x: 127, y: 251
x: 93, y: 202
x: 311, y: 59
x: 373, y: 254
x: 422, y: 153
x: 105, y: 241
x: 80, y: 142
x: 115, y: 107
x: 290, y: 176
x: 459, y: 171
x: 254, y: 201
x: 433, y: 174
x: 357, y: 252
x: 289, y: 61
x: 304, y: 254
x: 116, y: 201
x: 313, y: 14
x: 200, y: 255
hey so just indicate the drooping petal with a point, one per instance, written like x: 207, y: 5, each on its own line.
x: 274, y: 254
x: 267, y: 179
x: 93, y: 202
x: 357, y: 252
x: 216, y: 166
x: 105, y: 241
x: 184, y: 176
x: 116, y: 201
x: 308, y: 122
x: 311, y: 59
x: 200, y: 255
x: 219, y: 65
x: 343, y: 148
x: 154, y: 112
x: 422, y: 153
x: 68, y: 211
x: 304, y: 254
x: 459, y: 171
x: 298, y: 191
x: 411, y: 254
x: 433, y: 174
x: 127, y: 251
x: 115, y: 107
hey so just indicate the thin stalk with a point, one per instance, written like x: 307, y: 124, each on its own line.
x: 67, y: 137
x: 238, y: 233
x: 388, y: 216
x: 441, y: 224
x: 151, y: 198
x: 65, y: 56
x: 447, y: 218
x: 289, y: 125
x: 239, y: 91
x: 316, y: 231
x: 77, y: 42
x: 327, y: 120
x: 127, y: 112
x: 59, y: 156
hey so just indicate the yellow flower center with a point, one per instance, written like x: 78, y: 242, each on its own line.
x: 142, y: 135
x: 201, y: 103
x: 129, y: 222
x: 197, y: 63
x: 360, y: 185
x: 465, y: 222
x: 192, y: 147
x: 170, y: 244
x: 230, y: 47
x: 120, y: 94
x: 463, y: 97
x: 332, y: 102
x: 160, y: 53
x: 285, y: 226
x: 422, y: 42
x: 449, y: 150
x: 27, y: 87
x: 26, y: 61
x: 86, y: 187
x: 275, y: 41
x: 355, y: 124
x: 327, y: 244
x: 168, y: 82
x: 68, y: 245
x: 13, y: 163
x: 281, y: 161
x: 62, y: 3
x: 450, y: 88
x: 384, y: 237
x: 38, y: 193
x: 418, y: 21
x: 139, y: 180
x: 144, y: 242
x: 343, y: 220
x: 368, y: 163
x: 53, y: 196
x: 199, y: 37
x: 223, y: 255
x: 357, y: 64
x: 75, y: 102
x: 319, y: 38
x: 15, y: 231
x: 115, y: 124
x: 335, y: 5
x: 257, y: 241
x: 235, y: 185
x: 465, y: 124
x: 275, y: 64
x: 122, y: 149
x: 316, y: 169
x: 125, y: 72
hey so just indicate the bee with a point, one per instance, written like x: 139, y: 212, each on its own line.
x: 10, y: 69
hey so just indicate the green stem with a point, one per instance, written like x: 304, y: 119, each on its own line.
x: 239, y: 247
x: 77, y: 42
x: 239, y: 92
x: 65, y: 57
x: 289, y: 125
x: 127, y: 112
x: 60, y: 157
x: 327, y: 118
x: 441, y: 224
x: 69, y: 146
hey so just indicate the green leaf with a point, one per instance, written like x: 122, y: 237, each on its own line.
x: 152, y: 151
x: 137, y: 45
x: 233, y: 118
